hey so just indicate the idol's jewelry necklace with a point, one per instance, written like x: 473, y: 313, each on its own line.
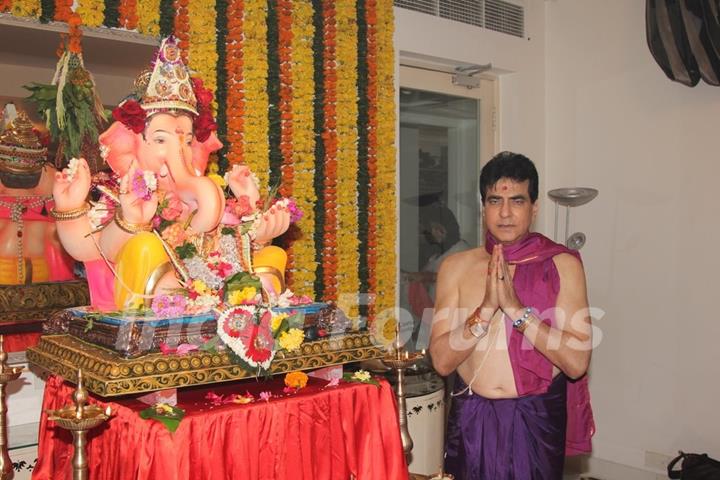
x: 17, y: 208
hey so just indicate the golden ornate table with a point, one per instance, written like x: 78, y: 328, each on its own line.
x: 108, y: 374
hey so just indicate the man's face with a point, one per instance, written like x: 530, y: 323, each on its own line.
x: 508, y: 210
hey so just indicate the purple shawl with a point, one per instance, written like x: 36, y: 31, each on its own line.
x: 537, y: 284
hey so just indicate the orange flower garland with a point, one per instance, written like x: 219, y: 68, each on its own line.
x: 63, y: 9
x: 5, y: 5
x: 75, y: 33
x: 235, y: 82
x: 285, y: 37
x: 371, y: 19
x: 329, y: 137
x: 128, y: 14
x: 182, y: 27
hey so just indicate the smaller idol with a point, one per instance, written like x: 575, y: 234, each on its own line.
x: 30, y: 250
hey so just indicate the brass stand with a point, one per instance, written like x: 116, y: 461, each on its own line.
x: 400, y: 359
x: 7, y: 374
x: 79, y: 419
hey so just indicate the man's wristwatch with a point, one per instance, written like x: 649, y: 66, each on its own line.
x: 521, y: 323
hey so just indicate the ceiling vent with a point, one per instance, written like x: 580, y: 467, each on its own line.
x: 504, y: 16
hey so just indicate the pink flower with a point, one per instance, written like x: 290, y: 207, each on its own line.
x: 266, y: 396
x: 214, y: 398
x: 334, y: 382
x: 173, y: 209
x: 239, y: 206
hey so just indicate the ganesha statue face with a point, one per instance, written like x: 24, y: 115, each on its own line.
x: 168, y: 149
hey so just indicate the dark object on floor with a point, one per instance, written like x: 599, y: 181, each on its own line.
x: 694, y: 466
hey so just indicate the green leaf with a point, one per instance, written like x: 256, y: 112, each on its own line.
x: 296, y: 320
x: 210, y: 345
x: 348, y: 377
x: 186, y: 250
x: 89, y: 324
x: 227, y: 231
x: 171, y: 420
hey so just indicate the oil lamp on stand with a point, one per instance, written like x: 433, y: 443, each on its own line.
x: 79, y: 419
x: 7, y: 375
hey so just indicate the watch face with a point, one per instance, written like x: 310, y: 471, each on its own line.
x: 477, y: 330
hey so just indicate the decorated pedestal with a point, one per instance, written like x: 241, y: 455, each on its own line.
x: 108, y: 374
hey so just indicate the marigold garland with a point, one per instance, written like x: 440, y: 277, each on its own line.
x: 181, y: 27
x: 386, y: 181
x: 202, y: 53
x: 92, y: 12
x: 63, y: 10
x: 254, y: 55
x: 75, y: 33
x: 372, y: 154
x: 347, y: 161
x: 26, y: 8
x: 285, y: 82
x: 329, y: 137
x: 363, y: 177
x: 128, y: 14
x: 148, y: 17
x: 303, y: 145
x: 235, y: 82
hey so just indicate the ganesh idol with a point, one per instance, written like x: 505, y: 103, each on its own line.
x: 29, y: 247
x: 163, y: 220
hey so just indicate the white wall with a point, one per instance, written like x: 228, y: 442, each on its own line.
x: 616, y: 123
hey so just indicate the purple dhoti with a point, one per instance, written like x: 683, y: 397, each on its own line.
x: 507, y: 439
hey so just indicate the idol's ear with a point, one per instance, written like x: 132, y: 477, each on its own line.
x: 120, y: 144
x: 201, y: 152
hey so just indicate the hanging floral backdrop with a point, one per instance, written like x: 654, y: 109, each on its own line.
x: 305, y: 97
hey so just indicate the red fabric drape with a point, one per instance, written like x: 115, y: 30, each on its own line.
x: 342, y: 432
x: 17, y: 342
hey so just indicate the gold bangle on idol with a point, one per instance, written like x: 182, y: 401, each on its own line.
x: 70, y: 214
x: 130, y: 227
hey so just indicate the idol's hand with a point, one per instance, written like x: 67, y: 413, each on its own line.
x: 135, y: 208
x: 242, y: 183
x: 507, y: 297
x: 71, y: 186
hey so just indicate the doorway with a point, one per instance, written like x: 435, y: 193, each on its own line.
x: 446, y: 131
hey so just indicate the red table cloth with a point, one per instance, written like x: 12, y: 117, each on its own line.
x: 343, y: 432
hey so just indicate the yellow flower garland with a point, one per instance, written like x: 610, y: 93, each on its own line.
x: 386, y: 177
x: 92, y: 12
x: 203, y: 53
x: 348, y: 281
x: 256, y: 99
x: 26, y: 8
x: 303, y: 145
x: 148, y: 12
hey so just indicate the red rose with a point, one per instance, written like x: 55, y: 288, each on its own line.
x: 204, y: 125
x: 130, y: 114
x: 203, y: 95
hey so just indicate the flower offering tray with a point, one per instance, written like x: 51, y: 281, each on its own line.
x: 109, y: 374
x: 131, y: 336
